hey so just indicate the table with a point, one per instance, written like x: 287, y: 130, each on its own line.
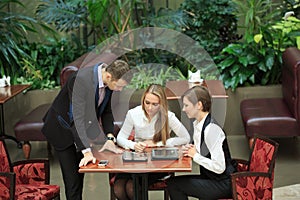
x: 7, y: 93
x: 139, y: 170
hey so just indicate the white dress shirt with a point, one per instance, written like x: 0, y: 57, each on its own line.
x: 136, y: 120
x: 213, y: 137
x: 101, y: 85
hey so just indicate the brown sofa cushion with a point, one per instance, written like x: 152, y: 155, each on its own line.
x: 268, y: 116
x: 29, y: 127
x: 277, y: 116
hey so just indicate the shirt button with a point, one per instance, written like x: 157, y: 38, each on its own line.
x: 90, y: 122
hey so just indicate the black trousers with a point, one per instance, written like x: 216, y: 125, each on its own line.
x: 69, y: 162
x: 180, y: 187
x: 152, y: 177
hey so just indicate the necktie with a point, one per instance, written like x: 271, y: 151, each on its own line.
x: 104, y: 102
x: 96, y: 96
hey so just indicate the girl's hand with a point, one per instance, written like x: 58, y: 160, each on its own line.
x: 140, y: 146
x: 149, y: 143
x: 186, y: 147
x: 188, y: 150
x: 191, y: 152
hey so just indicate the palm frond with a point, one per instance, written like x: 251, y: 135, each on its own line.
x: 64, y: 15
x: 167, y: 18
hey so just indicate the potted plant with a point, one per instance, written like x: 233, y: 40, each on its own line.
x: 256, y: 60
x: 14, y: 28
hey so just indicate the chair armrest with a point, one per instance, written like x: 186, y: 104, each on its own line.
x: 34, y: 171
x: 252, y: 185
x: 7, y: 182
x: 242, y: 165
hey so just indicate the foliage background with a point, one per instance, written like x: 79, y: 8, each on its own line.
x: 71, y: 28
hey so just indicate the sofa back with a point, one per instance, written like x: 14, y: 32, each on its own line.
x: 291, y: 80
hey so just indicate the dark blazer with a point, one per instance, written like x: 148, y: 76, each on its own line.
x: 72, y: 117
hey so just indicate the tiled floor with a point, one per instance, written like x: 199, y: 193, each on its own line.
x: 97, y: 187
x: 290, y: 192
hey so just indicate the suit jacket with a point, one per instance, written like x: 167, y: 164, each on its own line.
x: 72, y: 117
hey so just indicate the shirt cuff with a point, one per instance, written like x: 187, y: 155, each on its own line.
x: 197, y: 158
x: 86, y: 150
x: 159, y: 144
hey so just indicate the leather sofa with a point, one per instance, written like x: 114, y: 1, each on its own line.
x: 276, y: 117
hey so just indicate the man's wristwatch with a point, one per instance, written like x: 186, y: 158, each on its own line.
x: 112, y: 139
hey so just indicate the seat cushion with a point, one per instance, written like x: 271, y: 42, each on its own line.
x: 160, y: 185
x: 269, y: 117
x: 41, y: 192
x: 29, y: 127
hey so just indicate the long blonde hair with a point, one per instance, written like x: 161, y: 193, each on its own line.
x: 162, y: 122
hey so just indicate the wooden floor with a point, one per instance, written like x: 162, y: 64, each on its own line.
x: 97, y: 187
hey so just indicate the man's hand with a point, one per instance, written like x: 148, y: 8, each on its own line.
x: 110, y: 145
x: 87, y: 157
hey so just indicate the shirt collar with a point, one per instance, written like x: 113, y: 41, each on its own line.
x: 198, y: 124
x: 100, y: 80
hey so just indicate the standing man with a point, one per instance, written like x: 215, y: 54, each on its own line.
x: 81, y: 113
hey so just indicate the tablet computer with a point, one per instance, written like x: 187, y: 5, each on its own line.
x: 129, y: 156
x: 165, y: 154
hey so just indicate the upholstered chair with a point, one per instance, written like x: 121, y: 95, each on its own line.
x: 28, y: 179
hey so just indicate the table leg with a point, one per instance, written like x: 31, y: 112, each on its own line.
x: 140, y: 186
x: 144, y: 183
x: 136, y: 186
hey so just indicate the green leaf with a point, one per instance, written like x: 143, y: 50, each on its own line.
x: 298, y: 42
x: 234, y: 49
x: 227, y: 62
x: 234, y: 69
x: 262, y: 66
x: 243, y: 60
x: 252, y: 78
x: 269, y: 61
x: 252, y: 59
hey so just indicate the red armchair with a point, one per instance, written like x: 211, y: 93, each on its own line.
x: 28, y: 179
x: 254, y: 179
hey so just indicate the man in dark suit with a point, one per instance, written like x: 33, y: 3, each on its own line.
x: 81, y: 113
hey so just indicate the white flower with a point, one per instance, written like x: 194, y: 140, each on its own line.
x: 288, y: 14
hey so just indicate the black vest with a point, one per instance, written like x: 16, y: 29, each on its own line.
x: 230, y: 164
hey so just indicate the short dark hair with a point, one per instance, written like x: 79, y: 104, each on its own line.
x: 118, y: 69
x: 199, y: 93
